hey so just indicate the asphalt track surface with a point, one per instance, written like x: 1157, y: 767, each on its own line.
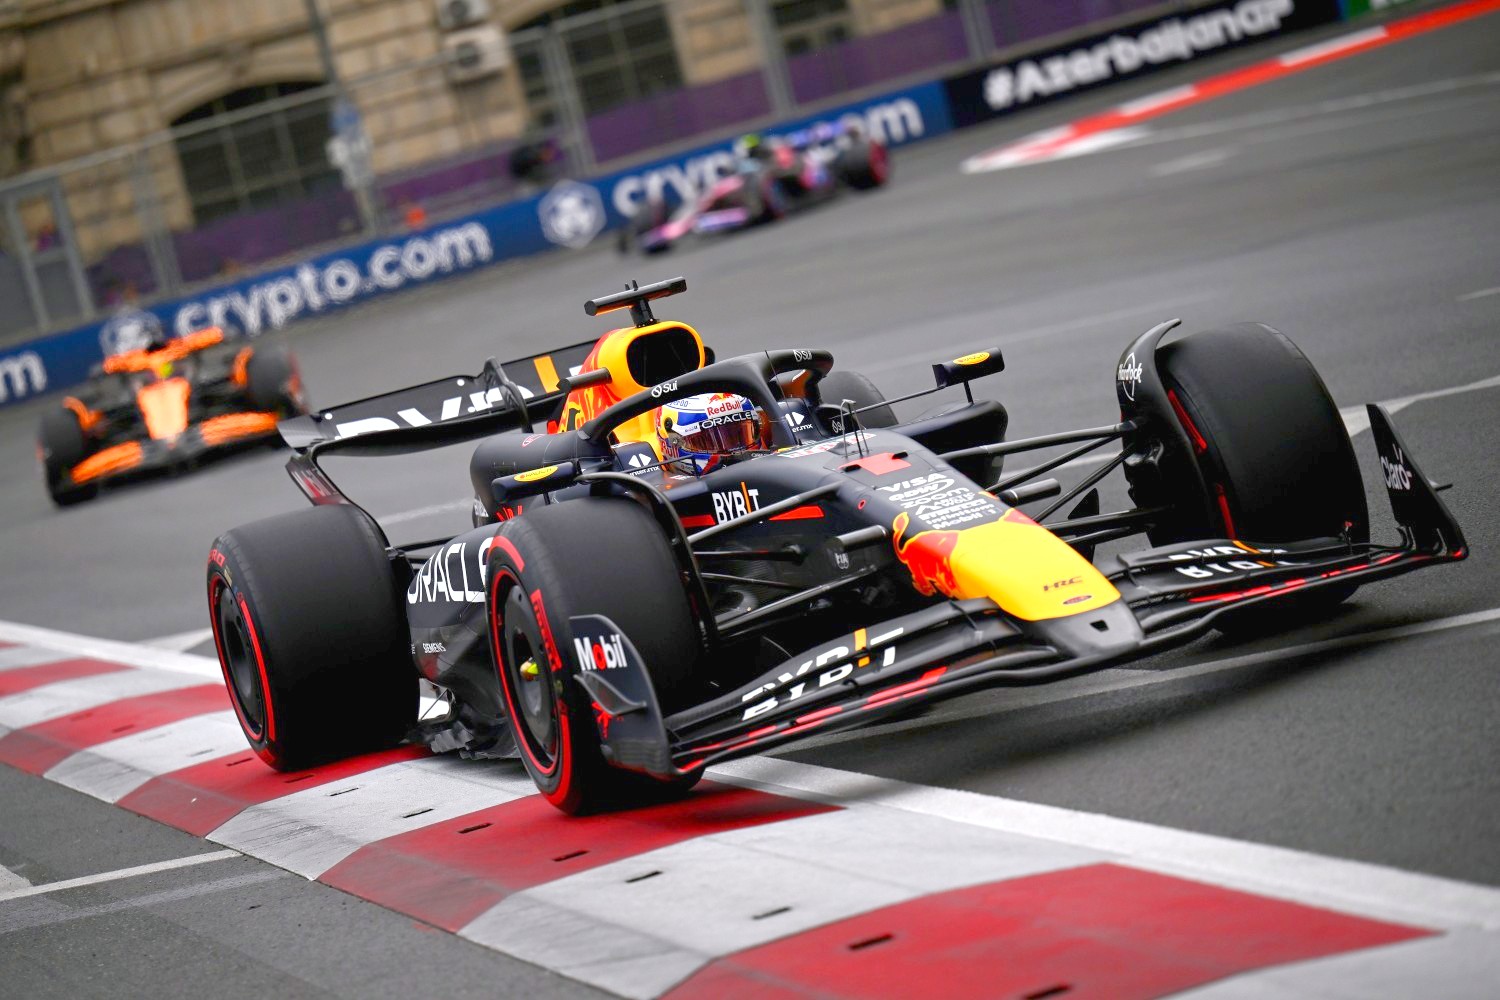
x: 1368, y: 233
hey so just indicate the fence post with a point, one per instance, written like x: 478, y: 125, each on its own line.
x: 22, y: 246
x: 773, y: 58
x: 63, y: 218
x: 560, y: 83
x: 977, y: 30
x: 154, y: 231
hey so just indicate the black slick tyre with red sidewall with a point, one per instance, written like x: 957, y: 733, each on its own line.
x: 311, y: 636
x: 601, y: 556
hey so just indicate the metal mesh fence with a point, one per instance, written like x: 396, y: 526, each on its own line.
x: 274, y: 172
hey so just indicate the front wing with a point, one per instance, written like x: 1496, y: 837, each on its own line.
x: 1173, y: 594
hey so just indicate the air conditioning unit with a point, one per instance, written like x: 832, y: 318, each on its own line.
x: 475, y: 53
x: 455, y: 14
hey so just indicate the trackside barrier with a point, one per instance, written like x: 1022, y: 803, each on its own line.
x: 573, y: 213
x: 1126, y: 53
x: 570, y: 214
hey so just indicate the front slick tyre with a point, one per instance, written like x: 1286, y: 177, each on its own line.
x: 604, y: 556
x: 1273, y: 450
x: 311, y: 636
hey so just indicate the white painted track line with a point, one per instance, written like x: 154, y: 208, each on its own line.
x: 11, y: 882
x: 115, y: 876
x: 1483, y: 293
x: 1357, y: 418
x: 181, y: 642
x: 1351, y: 886
x: 1206, y: 160
x: 1353, y: 40
x: 1160, y: 99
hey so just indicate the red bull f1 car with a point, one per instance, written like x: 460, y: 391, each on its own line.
x: 164, y: 406
x: 622, y: 616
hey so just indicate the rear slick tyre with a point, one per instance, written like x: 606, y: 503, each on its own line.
x: 604, y: 556
x: 311, y: 636
x: 62, y: 444
x: 858, y: 389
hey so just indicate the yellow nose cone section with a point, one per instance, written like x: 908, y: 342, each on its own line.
x: 1015, y: 562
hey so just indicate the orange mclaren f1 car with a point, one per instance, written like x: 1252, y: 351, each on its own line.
x: 165, y: 406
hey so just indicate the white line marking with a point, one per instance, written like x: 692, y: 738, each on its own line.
x: 1193, y: 161
x: 1351, y: 886
x: 1332, y: 106
x: 1354, y: 40
x: 129, y: 653
x: 181, y: 642
x: 1129, y: 679
x: 1482, y: 293
x: 115, y: 876
x: 1357, y: 418
x: 11, y: 882
x: 417, y: 513
x: 1159, y: 99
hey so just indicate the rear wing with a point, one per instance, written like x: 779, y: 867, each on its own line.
x: 515, y: 395
x: 530, y: 384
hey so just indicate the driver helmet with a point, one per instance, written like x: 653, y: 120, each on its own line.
x: 751, y: 146
x: 699, y: 433
x: 132, y: 330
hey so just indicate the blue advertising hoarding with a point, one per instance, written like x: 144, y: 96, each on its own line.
x: 571, y: 214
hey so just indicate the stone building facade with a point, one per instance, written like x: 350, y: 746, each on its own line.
x: 80, y: 78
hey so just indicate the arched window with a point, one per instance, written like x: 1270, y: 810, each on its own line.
x: 259, y: 160
x: 619, y: 50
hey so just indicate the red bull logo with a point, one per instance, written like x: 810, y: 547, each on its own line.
x: 927, y: 556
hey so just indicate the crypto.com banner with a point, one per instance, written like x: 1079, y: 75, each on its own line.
x: 1126, y: 53
x: 571, y: 214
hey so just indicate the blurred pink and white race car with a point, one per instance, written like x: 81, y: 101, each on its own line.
x: 771, y: 177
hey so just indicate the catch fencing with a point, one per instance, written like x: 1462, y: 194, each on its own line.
x: 234, y: 219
